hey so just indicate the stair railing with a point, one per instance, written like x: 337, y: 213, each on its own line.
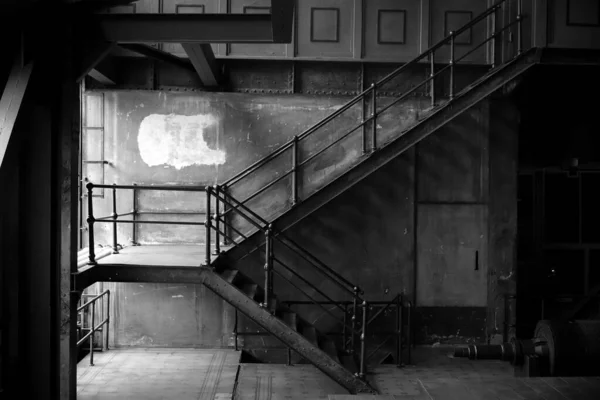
x: 93, y: 328
x: 357, y: 329
x: 368, y: 99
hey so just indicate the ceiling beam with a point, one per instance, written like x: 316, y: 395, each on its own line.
x: 95, y: 53
x: 12, y: 98
x: 282, y: 14
x: 203, y: 59
x: 154, y: 53
x: 186, y: 28
x: 105, y: 73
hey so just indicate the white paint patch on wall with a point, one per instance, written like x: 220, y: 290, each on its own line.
x: 177, y: 141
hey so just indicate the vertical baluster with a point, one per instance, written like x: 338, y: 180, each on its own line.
x: 295, y: 171
x: 363, y: 341
x: 268, y: 261
x: 107, y: 317
x: 90, y: 221
x: 217, y: 221
x: 354, y: 309
x: 114, y: 217
x: 374, y: 121
x: 134, y: 212
x: 364, y: 126
x: 224, y: 193
x: 207, y: 224
x: 409, y: 332
x: 519, y: 26
x: 399, y: 330
x: 345, y: 329
x: 432, y: 78
x: 493, y: 37
x: 452, y: 37
x: 235, y: 329
x: 92, y: 333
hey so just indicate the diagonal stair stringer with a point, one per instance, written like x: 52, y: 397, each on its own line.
x: 428, y: 124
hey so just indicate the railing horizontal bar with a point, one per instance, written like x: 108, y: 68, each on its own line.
x: 330, y: 145
x: 259, y: 191
x: 91, y: 332
x: 230, y: 225
x: 310, y: 297
x: 93, y: 300
x: 492, y: 36
x: 259, y: 163
x: 223, y: 233
x: 378, y: 347
x: 155, y: 222
x: 152, y: 187
x: 314, y: 261
x: 247, y: 218
x: 303, y: 279
x: 300, y: 302
x: 167, y: 213
x: 378, y: 313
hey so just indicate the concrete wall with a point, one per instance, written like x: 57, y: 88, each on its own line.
x: 418, y: 226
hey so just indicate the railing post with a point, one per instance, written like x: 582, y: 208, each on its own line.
x: 235, y: 329
x: 90, y: 221
x: 207, y: 224
x: 363, y: 341
x: 217, y: 220
x: 364, y: 127
x: 134, y: 211
x: 432, y: 78
x: 92, y: 333
x: 399, y: 330
x: 354, y: 308
x: 345, y: 329
x: 374, y: 121
x: 114, y: 217
x: 493, y: 39
x: 107, y: 317
x: 295, y: 171
x: 409, y: 333
x: 225, y: 214
x: 452, y: 37
x: 268, y: 266
x: 519, y: 27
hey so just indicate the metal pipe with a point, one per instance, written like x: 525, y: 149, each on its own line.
x: 363, y: 339
x: 452, y: 40
x: 224, y: 215
x: 519, y: 27
x: 432, y: 76
x: 90, y: 221
x: 107, y: 317
x: 374, y: 115
x: 493, y: 38
x: 153, y: 187
x: 153, y: 222
x: 289, y: 356
x: 409, y: 333
x: 295, y: 171
x: 134, y: 211
x: 207, y: 224
x: 235, y: 329
x: 344, y: 330
x: 92, y: 335
x: 217, y: 219
x: 114, y: 217
x: 364, y: 130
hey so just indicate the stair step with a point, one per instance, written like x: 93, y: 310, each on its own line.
x: 290, y: 320
x: 310, y: 333
x: 250, y: 289
x: 229, y: 275
x: 329, y: 347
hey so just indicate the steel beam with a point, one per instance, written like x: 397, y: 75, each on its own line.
x: 182, y: 28
x: 105, y: 73
x: 203, y: 60
x: 403, y: 141
x: 11, y: 100
x: 156, y: 54
x: 97, y: 52
x: 282, y: 14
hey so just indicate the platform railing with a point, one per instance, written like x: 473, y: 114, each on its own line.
x: 93, y: 328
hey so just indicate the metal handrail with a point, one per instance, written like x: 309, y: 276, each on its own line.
x: 94, y: 327
x: 427, y: 53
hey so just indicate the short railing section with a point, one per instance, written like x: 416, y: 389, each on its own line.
x: 84, y: 313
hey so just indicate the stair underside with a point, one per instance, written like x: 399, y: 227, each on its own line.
x: 432, y: 121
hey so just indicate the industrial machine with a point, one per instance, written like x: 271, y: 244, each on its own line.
x: 558, y: 348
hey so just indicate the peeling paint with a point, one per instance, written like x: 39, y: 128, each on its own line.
x: 177, y: 141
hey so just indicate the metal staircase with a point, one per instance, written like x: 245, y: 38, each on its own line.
x: 291, y: 183
x: 283, y: 190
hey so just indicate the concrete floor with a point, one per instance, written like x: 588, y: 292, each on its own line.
x: 217, y: 375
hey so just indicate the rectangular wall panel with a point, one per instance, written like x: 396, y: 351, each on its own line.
x: 392, y: 29
x: 187, y: 7
x: 254, y: 50
x: 449, y: 16
x: 574, y: 24
x: 326, y: 28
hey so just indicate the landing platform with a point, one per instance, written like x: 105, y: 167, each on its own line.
x: 157, y: 374
x: 159, y: 255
